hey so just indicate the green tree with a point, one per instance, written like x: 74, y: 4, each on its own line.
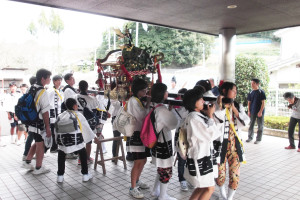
x: 56, y: 25
x: 247, y: 68
x: 32, y: 29
x: 181, y: 48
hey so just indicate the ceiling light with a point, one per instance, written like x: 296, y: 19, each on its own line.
x: 232, y: 6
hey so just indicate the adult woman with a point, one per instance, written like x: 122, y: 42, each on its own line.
x: 134, y: 144
x: 202, y: 129
x: 165, y: 121
x: 232, y: 148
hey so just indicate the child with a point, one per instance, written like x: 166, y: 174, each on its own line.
x: 202, y: 128
x: 74, y: 141
x: 162, y: 153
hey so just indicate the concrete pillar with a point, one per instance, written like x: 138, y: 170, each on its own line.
x: 227, y: 38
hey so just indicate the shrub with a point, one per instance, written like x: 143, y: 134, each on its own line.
x: 278, y: 122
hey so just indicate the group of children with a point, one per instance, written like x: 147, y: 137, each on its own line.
x: 212, y: 128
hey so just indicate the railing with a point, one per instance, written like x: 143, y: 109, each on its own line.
x: 276, y: 104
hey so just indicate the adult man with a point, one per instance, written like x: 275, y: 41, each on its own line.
x: 41, y: 128
x: 11, y: 99
x: 294, y: 104
x: 256, y: 104
x: 69, y: 92
x: 56, y: 99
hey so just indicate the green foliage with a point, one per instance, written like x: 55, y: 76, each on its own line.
x: 247, y: 68
x: 32, y: 29
x: 278, y: 122
x: 56, y: 25
x: 265, y: 34
x: 181, y: 48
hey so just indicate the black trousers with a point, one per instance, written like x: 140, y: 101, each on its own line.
x: 54, y: 143
x: 291, y: 130
x: 62, y: 158
x: 115, y: 143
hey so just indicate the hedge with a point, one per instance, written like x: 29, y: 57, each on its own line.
x: 278, y: 122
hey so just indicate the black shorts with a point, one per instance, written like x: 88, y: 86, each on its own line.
x: 37, y: 137
x: 15, y: 123
x: 141, y: 155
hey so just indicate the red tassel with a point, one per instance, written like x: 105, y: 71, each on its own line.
x: 159, y: 73
x: 126, y: 73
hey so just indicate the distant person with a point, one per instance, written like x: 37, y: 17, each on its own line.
x: 32, y: 80
x: 40, y: 129
x: 55, y: 99
x: 256, y: 110
x: 22, y: 127
x: 173, y: 88
x: 214, y: 88
x: 294, y: 105
x: 11, y: 100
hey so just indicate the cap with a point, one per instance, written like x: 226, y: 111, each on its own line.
x: 209, y: 96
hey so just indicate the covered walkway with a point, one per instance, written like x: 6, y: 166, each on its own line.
x: 270, y: 173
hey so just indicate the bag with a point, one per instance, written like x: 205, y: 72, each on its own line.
x: 148, y: 134
x: 25, y: 109
x: 66, y: 122
x: 90, y: 116
x: 182, y: 144
x: 124, y: 123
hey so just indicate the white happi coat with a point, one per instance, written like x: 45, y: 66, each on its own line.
x: 201, y: 132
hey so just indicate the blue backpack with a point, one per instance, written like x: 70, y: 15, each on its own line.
x: 26, y: 107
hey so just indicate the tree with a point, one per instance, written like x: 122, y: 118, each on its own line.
x: 32, y: 29
x: 247, y: 68
x: 181, y: 48
x: 56, y: 25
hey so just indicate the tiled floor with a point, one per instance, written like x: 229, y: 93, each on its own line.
x: 270, y: 173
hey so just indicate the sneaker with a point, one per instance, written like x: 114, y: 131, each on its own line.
x: 183, y: 186
x: 90, y: 161
x: 249, y: 140
x: 71, y: 156
x: 142, y: 185
x: 290, y: 147
x: 136, y: 193
x: 53, y: 151
x: 256, y: 142
x: 42, y: 170
x: 24, y: 158
x: 28, y: 166
x: 18, y: 142
x: 60, y: 179
x: 86, y: 177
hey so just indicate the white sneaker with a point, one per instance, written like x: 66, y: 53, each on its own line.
x: 24, y: 158
x: 142, y: 185
x: 183, y: 186
x: 18, y: 142
x: 86, y: 177
x: 136, y: 193
x: 12, y: 140
x: 2, y: 144
x: 42, y: 170
x: 60, y: 178
x: 29, y: 166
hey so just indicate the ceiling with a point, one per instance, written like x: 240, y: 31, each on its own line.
x: 204, y: 16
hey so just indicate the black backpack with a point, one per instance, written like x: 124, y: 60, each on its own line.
x: 90, y: 116
x: 25, y: 109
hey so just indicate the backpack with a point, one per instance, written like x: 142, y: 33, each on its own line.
x: 149, y: 134
x: 25, y: 109
x: 66, y: 122
x: 124, y: 123
x: 90, y: 116
x: 182, y: 144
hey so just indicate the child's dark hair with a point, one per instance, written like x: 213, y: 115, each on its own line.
x: 23, y: 85
x: 137, y: 85
x: 83, y: 86
x: 191, y: 97
x: 70, y: 102
x: 204, y: 83
x: 68, y: 76
x: 56, y: 77
x: 42, y: 73
x: 226, y: 86
x: 256, y: 80
x: 158, y: 92
x: 32, y: 80
x: 182, y: 91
